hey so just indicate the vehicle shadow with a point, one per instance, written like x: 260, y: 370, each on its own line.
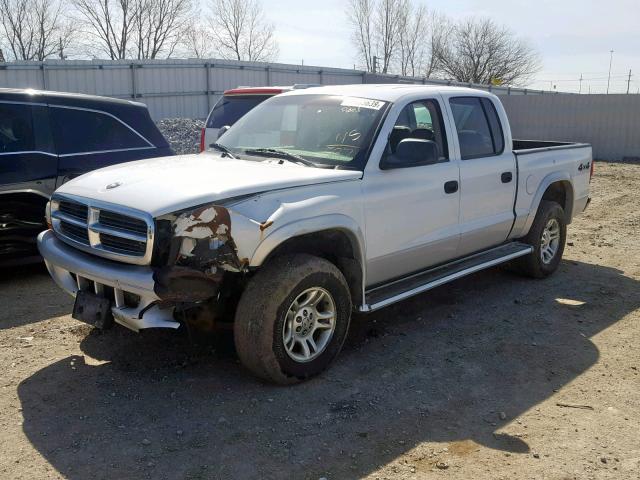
x: 457, y: 365
x: 29, y: 295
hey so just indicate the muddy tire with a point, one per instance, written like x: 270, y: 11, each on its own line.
x: 292, y: 318
x: 547, y: 236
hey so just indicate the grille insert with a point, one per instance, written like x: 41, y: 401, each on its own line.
x: 122, y: 245
x: 79, y: 234
x: 103, y: 229
x: 73, y: 209
x: 122, y: 222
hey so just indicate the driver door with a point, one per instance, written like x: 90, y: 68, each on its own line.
x: 412, y: 213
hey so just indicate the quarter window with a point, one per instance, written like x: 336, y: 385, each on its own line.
x: 478, y: 128
x: 82, y: 131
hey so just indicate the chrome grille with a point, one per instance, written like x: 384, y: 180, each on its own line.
x: 122, y: 222
x: 110, y: 231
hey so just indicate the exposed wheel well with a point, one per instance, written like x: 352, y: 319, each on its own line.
x: 333, y: 245
x: 561, y: 193
x: 23, y: 205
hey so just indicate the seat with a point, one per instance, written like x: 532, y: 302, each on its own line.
x: 423, y: 134
x: 398, y: 133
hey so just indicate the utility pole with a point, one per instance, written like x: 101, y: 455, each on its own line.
x: 61, y: 51
x: 609, y: 79
x: 580, y: 91
x: 628, y: 81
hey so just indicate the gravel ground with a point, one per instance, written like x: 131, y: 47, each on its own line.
x: 183, y: 134
x: 491, y: 377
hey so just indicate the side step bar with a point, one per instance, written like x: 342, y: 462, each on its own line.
x: 406, y: 287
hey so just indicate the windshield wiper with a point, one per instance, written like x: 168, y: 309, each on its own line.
x: 225, y: 151
x: 273, y: 152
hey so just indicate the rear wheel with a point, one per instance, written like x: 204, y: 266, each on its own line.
x: 292, y: 318
x: 547, y: 236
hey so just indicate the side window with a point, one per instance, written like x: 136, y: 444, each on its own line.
x: 16, y: 128
x: 82, y: 131
x: 421, y: 120
x: 472, y: 125
x: 496, y: 128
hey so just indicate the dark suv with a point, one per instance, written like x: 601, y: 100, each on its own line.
x: 47, y: 138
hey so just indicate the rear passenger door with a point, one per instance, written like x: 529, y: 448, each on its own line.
x: 487, y: 174
x: 90, y: 139
x: 28, y: 167
x: 27, y: 155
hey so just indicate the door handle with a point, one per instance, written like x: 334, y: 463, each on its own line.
x: 506, y: 177
x: 451, y: 187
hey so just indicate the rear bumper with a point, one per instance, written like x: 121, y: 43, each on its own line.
x: 74, y: 270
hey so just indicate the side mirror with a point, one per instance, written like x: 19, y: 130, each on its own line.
x: 412, y: 152
x: 223, y: 130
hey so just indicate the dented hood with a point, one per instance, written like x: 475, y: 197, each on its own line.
x: 168, y: 184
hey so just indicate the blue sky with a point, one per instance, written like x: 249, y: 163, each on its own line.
x: 572, y: 36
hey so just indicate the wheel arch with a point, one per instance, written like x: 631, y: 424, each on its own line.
x: 555, y: 187
x: 336, y: 238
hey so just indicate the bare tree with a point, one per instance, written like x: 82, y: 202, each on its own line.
x: 159, y: 26
x: 481, y: 51
x: 376, y: 30
x: 388, y: 23
x: 360, y: 15
x: 198, y: 41
x: 413, y: 31
x: 110, y: 25
x: 440, y: 28
x: 33, y: 29
x: 241, y: 30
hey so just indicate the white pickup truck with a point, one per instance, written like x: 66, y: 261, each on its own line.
x: 317, y: 203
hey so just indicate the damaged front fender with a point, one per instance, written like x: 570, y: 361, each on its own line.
x: 202, y: 249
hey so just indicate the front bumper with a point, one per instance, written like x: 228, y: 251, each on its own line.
x: 74, y: 270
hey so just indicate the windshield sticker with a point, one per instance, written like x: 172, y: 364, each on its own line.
x: 362, y: 103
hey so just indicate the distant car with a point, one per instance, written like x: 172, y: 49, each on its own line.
x: 234, y: 104
x: 47, y: 138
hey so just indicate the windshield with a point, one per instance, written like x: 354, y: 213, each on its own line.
x: 327, y: 130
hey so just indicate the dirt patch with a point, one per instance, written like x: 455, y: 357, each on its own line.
x: 462, y: 382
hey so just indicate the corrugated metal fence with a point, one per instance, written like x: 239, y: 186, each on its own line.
x: 610, y: 123
x: 183, y: 88
x: 189, y: 88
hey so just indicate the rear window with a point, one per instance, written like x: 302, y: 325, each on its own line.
x: 230, y: 109
x: 84, y: 131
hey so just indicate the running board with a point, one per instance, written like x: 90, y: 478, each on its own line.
x: 406, y: 287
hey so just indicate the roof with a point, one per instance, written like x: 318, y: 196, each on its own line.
x: 77, y: 99
x: 257, y: 90
x: 385, y: 92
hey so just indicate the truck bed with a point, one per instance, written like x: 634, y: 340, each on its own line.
x: 540, y: 163
x: 521, y: 147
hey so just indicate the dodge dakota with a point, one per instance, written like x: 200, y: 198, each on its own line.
x: 315, y: 204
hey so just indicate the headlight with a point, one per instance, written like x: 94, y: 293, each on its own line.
x: 47, y: 215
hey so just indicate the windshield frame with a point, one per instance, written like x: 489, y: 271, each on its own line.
x: 357, y: 164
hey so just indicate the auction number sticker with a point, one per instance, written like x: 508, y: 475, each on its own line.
x: 362, y: 103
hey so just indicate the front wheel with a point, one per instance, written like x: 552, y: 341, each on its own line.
x: 547, y: 236
x: 292, y: 318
